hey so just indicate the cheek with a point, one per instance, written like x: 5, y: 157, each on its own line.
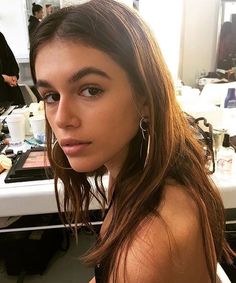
x: 121, y: 122
x: 50, y: 118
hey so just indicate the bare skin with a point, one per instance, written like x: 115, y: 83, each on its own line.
x: 150, y: 260
x: 10, y: 80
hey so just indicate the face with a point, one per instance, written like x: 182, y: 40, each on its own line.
x: 49, y: 10
x: 39, y: 14
x: 89, y: 104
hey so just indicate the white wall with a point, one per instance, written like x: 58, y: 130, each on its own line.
x: 13, y: 24
x: 165, y: 20
x: 199, y: 38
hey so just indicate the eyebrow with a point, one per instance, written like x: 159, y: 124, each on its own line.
x: 77, y: 76
x: 87, y: 71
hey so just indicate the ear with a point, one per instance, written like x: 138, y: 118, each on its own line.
x: 145, y: 109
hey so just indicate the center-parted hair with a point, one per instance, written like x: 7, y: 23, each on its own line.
x: 174, y: 151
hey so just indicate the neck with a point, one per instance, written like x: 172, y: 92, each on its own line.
x: 111, y: 182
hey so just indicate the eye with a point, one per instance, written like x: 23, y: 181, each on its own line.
x: 91, y: 91
x: 51, y: 97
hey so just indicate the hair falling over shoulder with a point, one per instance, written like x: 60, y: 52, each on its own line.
x: 174, y: 151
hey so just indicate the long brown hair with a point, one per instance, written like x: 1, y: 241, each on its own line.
x: 174, y: 151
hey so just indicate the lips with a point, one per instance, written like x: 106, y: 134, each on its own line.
x: 74, y: 147
x: 72, y: 142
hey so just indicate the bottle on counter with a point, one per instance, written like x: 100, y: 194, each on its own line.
x: 230, y: 99
x: 225, y: 157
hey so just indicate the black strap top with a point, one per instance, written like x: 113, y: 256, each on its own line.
x: 99, y: 271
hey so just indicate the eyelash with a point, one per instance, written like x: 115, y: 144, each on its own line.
x: 48, y: 95
x: 98, y: 90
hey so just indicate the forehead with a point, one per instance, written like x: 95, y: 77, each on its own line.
x: 66, y: 54
x: 59, y: 60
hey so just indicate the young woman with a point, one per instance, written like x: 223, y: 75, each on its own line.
x: 111, y: 106
x: 34, y: 20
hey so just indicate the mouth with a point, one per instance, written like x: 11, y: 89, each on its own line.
x: 74, y: 147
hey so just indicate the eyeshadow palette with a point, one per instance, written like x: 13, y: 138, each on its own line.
x: 30, y: 166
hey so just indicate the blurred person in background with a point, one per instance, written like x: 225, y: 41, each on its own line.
x: 9, y: 74
x: 226, y: 46
x: 34, y: 20
x: 48, y: 9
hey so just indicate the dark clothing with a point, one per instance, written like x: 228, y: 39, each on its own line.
x: 99, y: 268
x: 226, y: 53
x: 8, y: 66
x: 33, y: 23
x: 98, y: 274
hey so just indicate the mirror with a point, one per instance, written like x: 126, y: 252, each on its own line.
x: 201, y: 39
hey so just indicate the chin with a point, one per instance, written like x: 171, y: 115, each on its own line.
x: 84, y: 167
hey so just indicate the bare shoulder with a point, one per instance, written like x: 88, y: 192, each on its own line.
x: 179, y: 211
x: 168, y: 247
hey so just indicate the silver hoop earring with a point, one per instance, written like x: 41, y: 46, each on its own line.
x: 144, y: 126
x: 148, y: 151
x: 55, y: 144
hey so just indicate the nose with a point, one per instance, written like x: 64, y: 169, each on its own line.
x: 67, y: 114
